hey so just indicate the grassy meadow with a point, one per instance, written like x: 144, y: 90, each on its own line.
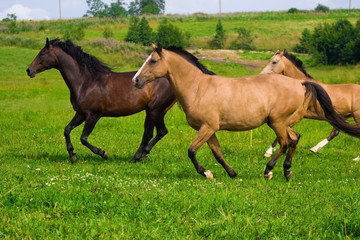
x: 43, y: 195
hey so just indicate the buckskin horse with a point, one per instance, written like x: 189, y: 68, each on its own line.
x: 213, y: 103
x: 345, y: 97
x: 96, y: 91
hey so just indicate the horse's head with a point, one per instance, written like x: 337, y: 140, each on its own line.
x: 275, y: 64
x: 154, y: 67
x: 44, y: 60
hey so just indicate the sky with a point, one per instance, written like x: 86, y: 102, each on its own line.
x: 49, y: 9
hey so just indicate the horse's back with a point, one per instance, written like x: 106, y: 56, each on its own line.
x: 248, y: 102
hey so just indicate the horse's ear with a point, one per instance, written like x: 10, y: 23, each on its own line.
x: 159, y: 46
x: 153, y: 46
x: 47, y: 43
x: 277, y: 52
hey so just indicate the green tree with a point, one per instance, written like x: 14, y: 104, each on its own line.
x: 133, y: 33
x: 219, y: 39
x: 145, y: 32
x: 139, y: 31
x: 170, y: 35
x: 244, y: 39
x: 96, y: 8
x: 116, y: 9
x: 336, y: 43
x: 322, y: 8
x: 139, y: 7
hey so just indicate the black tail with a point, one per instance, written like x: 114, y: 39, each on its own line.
x: 318, y: 93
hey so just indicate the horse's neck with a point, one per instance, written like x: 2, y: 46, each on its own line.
x: 70, y: 71
x: 184, y: 78
x: 292, y: 71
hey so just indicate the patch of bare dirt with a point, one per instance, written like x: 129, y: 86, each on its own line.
x: 228, y: 56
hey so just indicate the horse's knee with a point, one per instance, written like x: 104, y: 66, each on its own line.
x: 191, y: 153
x: 83, y: 140
x: 161, y: 133
x: 67, y: 130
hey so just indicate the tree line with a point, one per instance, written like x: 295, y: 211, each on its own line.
x: 98, y: 8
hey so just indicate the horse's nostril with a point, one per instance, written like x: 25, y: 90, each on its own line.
x: 137, y: 80
x: 28, y: 71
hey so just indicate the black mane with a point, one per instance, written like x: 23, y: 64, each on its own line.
x: 94, y: 65
x: 190, y: 58
x: 297, y: 62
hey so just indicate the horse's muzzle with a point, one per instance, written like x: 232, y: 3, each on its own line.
x: 137, y: 83
x: 30, y: 73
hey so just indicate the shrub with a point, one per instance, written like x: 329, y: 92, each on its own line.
x: 322, y: 8
x: 219, y: 39
x: 108, y: 33
x: 74, y: 32
x: 170, y: 35
x: 336, y: 43
x: 293, y: 10
x: 244, y: 39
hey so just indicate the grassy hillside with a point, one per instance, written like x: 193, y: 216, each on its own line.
x: 274, y: 30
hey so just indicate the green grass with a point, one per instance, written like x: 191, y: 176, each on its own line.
x: 43, y: 195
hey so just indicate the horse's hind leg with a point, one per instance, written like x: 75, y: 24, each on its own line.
x: 215, y: 148
x: 161, y: 131
x: 271, y: 149
x: 76, y: 121
x: 147, y: 136
x: 294, y: 139
x: 203, y: 135
x: 356, y: 116
x: 333, y: 134
x: 90, y: 123
x: 283, y: 138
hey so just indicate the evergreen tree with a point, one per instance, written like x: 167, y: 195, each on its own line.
x: 145, y: 32
x: 133, y: 33
x: 170, y: 35
x: 219, y: 38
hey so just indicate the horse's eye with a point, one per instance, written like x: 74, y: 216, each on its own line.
x: 274, y: 62
x: 152, y: 61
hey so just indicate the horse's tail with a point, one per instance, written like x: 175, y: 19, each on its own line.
x: 318, y: 93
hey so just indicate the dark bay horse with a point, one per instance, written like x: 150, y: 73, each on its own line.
x: 345, y: 97
x: 96, y: 91
x: 213, y: 103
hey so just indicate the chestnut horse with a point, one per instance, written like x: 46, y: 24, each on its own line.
x: 96, y: 91
x: 345, y: 97
x: 213, y: 103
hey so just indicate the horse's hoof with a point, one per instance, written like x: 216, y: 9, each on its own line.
x: 268, y: 176
x: 357, y: 159
x: 232, y: 174
x: 73, y: 158
x: 104, y: 155
x: 267, y: 155
x: 209, y: 175
x: 314, y: 150
x: 288, y: 175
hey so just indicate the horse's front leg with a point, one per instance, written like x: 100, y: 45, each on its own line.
x: 333, y: 134
x: 76, y: 121
x: 90, y: 123
x: 215, y: 148
x: 203, y: 135
x: 147, y: 136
